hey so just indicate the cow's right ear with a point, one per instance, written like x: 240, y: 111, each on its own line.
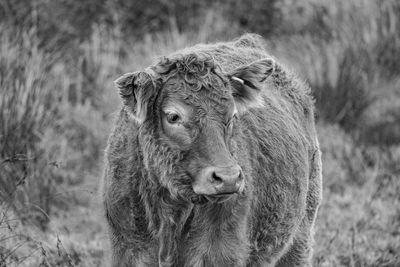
x: 136, y: 89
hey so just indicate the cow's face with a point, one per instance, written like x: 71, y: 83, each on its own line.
x: 191, y: 111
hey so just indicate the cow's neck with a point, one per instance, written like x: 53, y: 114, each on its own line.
x: 208, y: 235
x: 171, y: 231
x: 217, y: 235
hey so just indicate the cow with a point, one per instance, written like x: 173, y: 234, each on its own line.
x: 213, y: 161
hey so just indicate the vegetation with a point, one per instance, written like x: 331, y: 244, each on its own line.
x: 57, y: 63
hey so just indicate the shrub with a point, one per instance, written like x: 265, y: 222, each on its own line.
x: 58, y: 24
x: 345, y: 100
x: 383, y: 132
x: 260, y: 16
x: 387, y: 46
x: 141, y: 17
x: 347, y: 50
x: 341, y: 74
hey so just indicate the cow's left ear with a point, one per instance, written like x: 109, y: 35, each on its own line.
x: 137, y: 89
x: 247, y: 82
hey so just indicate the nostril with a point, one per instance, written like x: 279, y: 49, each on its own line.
x: 216, y: 177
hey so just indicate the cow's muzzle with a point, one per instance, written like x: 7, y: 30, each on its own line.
x: 219, y: 181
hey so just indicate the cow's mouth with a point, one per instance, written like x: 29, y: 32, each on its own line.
x: 220, y: 198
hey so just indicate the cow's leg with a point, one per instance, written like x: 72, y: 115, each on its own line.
x: 118, y: 256
x: 121, y: 256
x: 298, y: 254
x: 128, y: 258
x: 271, y: 252
x: 291, y: 250
x: 300, y: 251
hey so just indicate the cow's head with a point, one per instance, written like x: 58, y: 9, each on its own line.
x: 188, y: 113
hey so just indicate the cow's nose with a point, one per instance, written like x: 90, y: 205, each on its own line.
x: 227, y: 180
x: 220, y: 180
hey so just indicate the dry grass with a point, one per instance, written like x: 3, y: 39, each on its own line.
x: 349, y: 59
x: 358, y: 223
x: 26, y: 110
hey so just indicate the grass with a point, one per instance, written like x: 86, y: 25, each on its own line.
x: 56, y: 110
x: 359, y: 219
x: 25, y: 113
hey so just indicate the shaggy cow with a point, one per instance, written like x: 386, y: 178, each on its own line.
x: 214, y: 161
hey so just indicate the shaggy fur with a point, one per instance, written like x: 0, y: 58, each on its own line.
x: 156, y: 219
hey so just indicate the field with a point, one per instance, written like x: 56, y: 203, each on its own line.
x: 58, y: 101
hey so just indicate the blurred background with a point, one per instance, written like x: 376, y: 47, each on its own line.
x: 58, y: 59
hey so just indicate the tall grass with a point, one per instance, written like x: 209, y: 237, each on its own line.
x: 54, y: 122
x: 349, y: 59
x: 25, y: 111
x: 52, y: 130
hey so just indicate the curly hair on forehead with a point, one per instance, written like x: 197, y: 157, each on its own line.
x: 198, y: 70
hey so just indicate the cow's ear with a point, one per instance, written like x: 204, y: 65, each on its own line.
x: 136, y: 89
x: 248, y: 81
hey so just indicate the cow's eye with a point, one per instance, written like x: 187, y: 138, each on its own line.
x: 173, y: 118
